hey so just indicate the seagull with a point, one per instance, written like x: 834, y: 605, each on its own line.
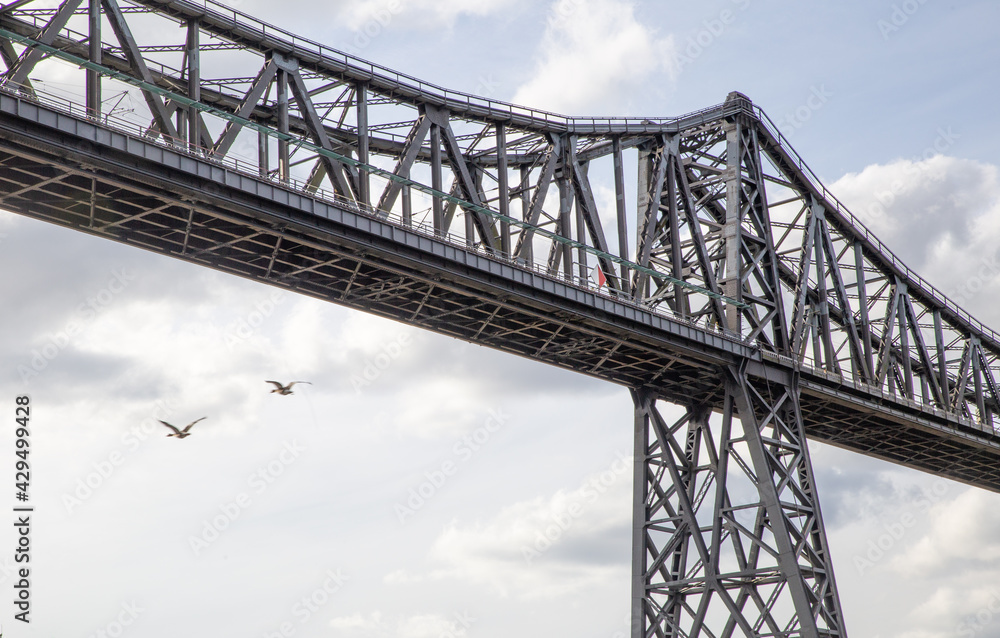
x: 180, y: 434
x: 284, y: 389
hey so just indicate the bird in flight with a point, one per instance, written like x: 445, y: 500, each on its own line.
x: 284, y: 389
x: 180, y: 434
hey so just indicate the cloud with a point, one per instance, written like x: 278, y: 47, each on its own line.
x: 594, y: 53
x: 543, y: 547
x: 854, y: 488
x: 920, y: 205
x: 942, y: 541
x: 965, y: 531
x: 376, y: 15
x: 420, y: 626
x: 941, y: 216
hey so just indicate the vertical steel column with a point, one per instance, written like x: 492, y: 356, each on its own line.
x: 263, y: 153
x: 407, y: 201
x: 641, y: 482
x: 470, y: 224
x: 814, y: 326
x: 437, y: 182
x: 284, y: 172
x: 904, y: 339
x: 524, y: 188
x: 503, y: 189
x: 581, y: 252
x: 616, y: 149
x: 364, y: 180
x: 822, y: 306
x: 93, y: 77
x: 671, y: 186
x: 194, y: 83
x: 977, y: 377
x: 865, y: 324
x: 941, y: 360
x: 732, y: 285
x: 645, y: 175
x: 565, y: 226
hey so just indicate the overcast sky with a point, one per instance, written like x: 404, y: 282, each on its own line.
x: 318, y: 492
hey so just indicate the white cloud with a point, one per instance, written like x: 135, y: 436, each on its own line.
x: 941, y: 216
x: 943, y: 545
x: 964, y: 531
x: 594, y: 54
x: 542, y: 547
x: 420, y: 626
x: 920, y: 204
x: 373, y: 16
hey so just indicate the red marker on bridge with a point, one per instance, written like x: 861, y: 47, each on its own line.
x: 598, y: 276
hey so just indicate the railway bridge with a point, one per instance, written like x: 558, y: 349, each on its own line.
x: 733, y: 283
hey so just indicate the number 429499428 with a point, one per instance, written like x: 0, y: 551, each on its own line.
x: 22, y: 443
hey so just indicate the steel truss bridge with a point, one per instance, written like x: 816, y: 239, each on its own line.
x: 736, y: 285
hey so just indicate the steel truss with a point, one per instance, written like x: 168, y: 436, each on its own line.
x: 734, y: 281
x: 728, y: 536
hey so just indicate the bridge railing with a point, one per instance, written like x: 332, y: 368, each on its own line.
x: 878, y: 393
x: 249, y: 168
x: 884, y: 252
x: 247, y: 28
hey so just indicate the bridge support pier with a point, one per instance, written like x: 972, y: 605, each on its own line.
x: 728, y: 539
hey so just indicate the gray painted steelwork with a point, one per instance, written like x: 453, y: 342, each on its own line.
x: 752, y: 296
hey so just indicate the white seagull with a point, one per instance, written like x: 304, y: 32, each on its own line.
x: 180, y: 434
x: 284, y: 389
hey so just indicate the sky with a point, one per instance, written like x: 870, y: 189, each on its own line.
x: 398, y: 493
